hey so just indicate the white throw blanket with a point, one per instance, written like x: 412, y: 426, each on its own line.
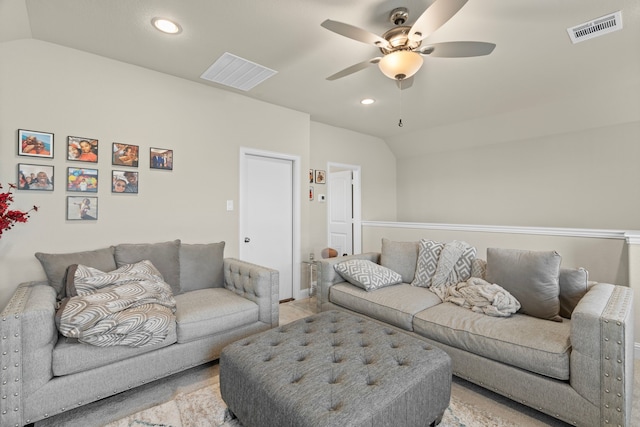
x: 476, y: 293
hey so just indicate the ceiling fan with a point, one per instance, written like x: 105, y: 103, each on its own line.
x: 402, y: 47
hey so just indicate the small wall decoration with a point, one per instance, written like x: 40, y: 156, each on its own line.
x: 320, y: 177
x: 310, y: 176
x: 82, y: 149
x: 161, y: 158
x: 35, y: 144
x: 310, y: 194
x: 124, y: 182
x: 125, y: 155
x: 35, y: 177
x: 85, y: 180
x: 82, y: 208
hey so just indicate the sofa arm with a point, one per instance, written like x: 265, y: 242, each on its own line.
x: 328, y: 276
x: 602, y: 351
x: 28, y: 333
x: 256, y: 283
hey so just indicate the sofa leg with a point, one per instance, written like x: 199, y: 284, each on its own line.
x: 437, y: 420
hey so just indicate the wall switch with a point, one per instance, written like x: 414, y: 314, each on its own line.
x: 229, y: 205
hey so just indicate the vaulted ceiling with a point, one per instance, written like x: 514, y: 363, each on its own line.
x: 534, y: 60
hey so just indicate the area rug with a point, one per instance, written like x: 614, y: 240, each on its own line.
x: 205, y: 408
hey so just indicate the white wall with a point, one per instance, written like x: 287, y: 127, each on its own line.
x: 49, y: 88
x: 378, y: 176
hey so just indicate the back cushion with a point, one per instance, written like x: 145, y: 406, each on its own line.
x: 574, y: 283
x: 164, y: 256
x: 201, y: 266
x: 400, y: 257
x: 55, y: 265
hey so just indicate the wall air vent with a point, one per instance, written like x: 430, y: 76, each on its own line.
x: 595, y: 28
x: 238, y: 73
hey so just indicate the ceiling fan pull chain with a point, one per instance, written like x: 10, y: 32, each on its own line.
x: 400, y: 122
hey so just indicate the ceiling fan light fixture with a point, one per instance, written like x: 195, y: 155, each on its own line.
x: 401, y: 64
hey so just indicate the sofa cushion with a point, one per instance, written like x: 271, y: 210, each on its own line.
x: 366, y: 274
x: 523, y: 341
x: 530, y: 276
x: 71, y: 356
x: 400, y: 257
x: 211, y: 311
x: 55, y: 265
x: 574, y: 284
x: 164, y: 256
x: 395, y: 305
x: 201, y: 266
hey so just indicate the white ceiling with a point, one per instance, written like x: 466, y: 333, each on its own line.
x: 534, y: 60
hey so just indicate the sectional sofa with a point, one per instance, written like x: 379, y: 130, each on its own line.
x: 217, y: 301
x: 577, y: 367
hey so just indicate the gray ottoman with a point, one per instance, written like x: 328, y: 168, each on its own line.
x: 335, y: 369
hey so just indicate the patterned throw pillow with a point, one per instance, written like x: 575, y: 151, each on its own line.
x: 367, y: 275
x: 428, y: 255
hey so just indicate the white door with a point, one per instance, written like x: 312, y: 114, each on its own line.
x: 267, y: 216
x: 340, y: 206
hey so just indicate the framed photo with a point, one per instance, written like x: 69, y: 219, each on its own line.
x: 82, y: 149
x: 125, y: 155
x: 35, y: 144
x: 82, y: 208
x: 124, y: 182
x: 35, y: 177
x: 84, y: 180
x: 161, y: 158
x: 310, y: 194
x: 310, y: 176
x: 321, y: 176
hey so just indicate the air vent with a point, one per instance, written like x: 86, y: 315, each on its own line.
x: 597, y: 27
x: 233, y: 71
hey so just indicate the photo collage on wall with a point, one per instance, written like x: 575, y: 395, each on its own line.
x: 79, y: 178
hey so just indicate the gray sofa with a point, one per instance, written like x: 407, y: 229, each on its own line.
x: 579, y: 369
x: 218, y: 301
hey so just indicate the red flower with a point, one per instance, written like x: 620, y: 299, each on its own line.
x: 9, y: 217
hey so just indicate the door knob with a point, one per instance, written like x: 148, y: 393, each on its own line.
x: 247, y: 240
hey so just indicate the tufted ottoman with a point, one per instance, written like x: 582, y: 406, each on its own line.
x: 335, y: 369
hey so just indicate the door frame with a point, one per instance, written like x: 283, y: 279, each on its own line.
x: 357, y: 203
x: 295, y: 180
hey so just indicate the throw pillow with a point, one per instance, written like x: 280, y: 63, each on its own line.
x: 165, y: 256
x: 367, y: 275
x: 530, y: 276
x: 55, y: 265
x: 574, y: 283
x: 479, y: 268
x: 201, y: 266
x: 400, y: 257
x: 428, y: 255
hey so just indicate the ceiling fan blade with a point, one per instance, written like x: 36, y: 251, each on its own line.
x: 353, y: 69
x: 434, y: 17
x: 457, y: 49
x: 405, y: 83
x: 355, y: 33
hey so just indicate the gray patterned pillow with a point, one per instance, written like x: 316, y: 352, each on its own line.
x: 366, y: 274
x: 428, y: 255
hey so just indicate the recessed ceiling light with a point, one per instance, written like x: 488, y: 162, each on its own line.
x: 166, y: 26
x: 367, y: 101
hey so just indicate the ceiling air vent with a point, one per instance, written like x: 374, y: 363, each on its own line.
x: 236, y: 72
x: 597, y: 27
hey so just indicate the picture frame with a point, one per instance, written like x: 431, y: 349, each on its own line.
x: 35, y: 177
x: 161, y: 158
x: 310, y: 176
x: 311, y: 194
x: 82, y: 208
x: 125, y: 154
x: 321, y: 176
x: 124, y: 182
x: 81, y: 149
x: 35, y: 144
x: 82, y: 180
